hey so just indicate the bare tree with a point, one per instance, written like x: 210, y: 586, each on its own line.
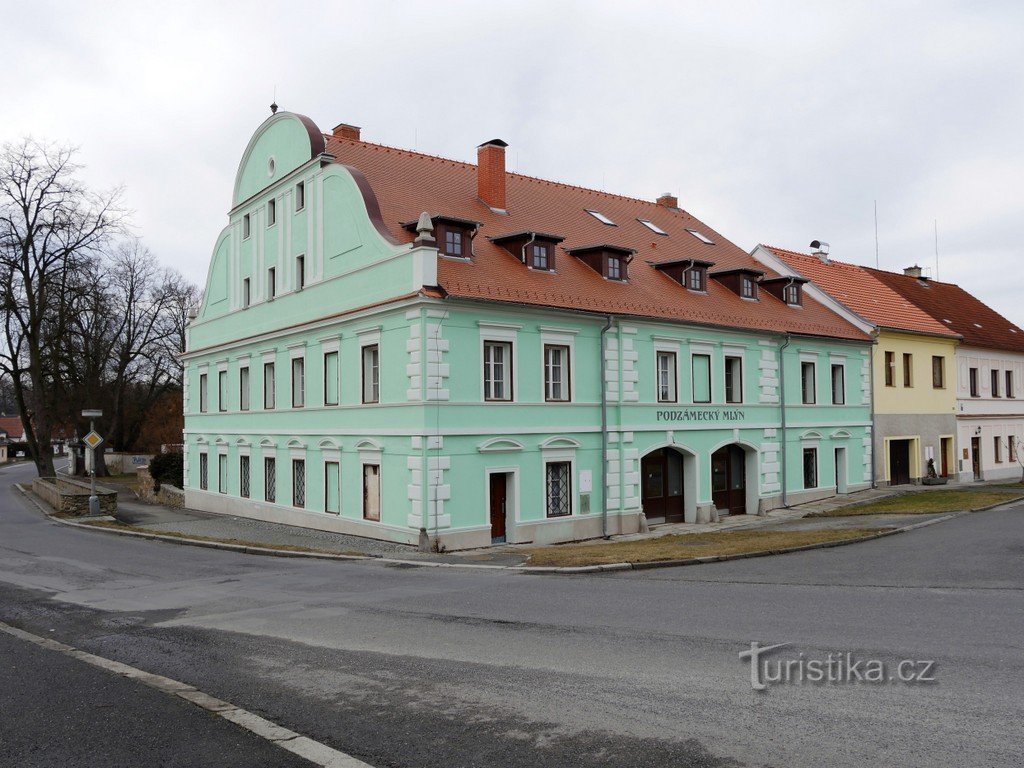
x: 52, y: 227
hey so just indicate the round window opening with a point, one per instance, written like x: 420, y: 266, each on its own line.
x: 270, y: 167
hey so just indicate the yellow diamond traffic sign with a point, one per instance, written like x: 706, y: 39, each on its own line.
x: 93, y: 439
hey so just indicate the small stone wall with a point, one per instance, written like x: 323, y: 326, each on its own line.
x: 71, y: 497
x: 168, y: 495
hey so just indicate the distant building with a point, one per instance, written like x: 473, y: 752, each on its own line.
x: 988, y: 377
x: 403, y: 346
x: 915, y: 402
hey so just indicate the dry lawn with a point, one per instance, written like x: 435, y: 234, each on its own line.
x: 925, y: 502
x: 684, y: 546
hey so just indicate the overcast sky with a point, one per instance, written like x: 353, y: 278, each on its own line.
x: 777, y: 125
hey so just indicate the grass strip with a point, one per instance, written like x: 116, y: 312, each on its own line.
x: 924, y: 503
x: 681, y: 546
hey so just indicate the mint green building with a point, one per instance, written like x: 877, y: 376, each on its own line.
x: 416, y: 349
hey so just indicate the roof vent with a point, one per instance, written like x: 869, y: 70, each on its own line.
x: 820, y: 250
x: 490, y: 173
x: 914, y: 271
x: 668, y: 200
x: 346, y: 131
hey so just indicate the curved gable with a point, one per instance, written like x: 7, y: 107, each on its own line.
x: 287, y: 139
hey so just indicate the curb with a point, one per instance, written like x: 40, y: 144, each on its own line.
x: 525, y: 569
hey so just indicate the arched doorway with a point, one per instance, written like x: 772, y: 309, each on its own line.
x: 729, y: 480
x: 668, y: 486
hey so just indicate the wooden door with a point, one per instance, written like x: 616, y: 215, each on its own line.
x: 946, y: 447
x: 499, y: 506
x: 371, y: 491
x: 661, y: 476
x: 729, y: 480
x: 899, y: 462
x: 976, y: 457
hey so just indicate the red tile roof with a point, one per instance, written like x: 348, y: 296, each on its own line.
x: 957, y: 310
x: 408, y: 183
x: 860, y: 291
x: 12, y: 426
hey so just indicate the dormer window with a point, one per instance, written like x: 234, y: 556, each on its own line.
x: 453, y: 243
x: 539, y: 256
x: 454, y: 236
x: 696, y: 278
x: 609, y: 261
x: 740, y: 280
x: 535, y: 249
x: 787, y: 289
x: 689, y: 273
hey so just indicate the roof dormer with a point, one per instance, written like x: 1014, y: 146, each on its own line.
x: 689, y: 273
x: 535, y: 249
x: 609, y: 261
x: 454, y: 236
x: 742, y: 281
x: 788, y: 289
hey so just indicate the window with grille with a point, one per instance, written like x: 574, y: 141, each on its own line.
x: 270, y: 478
x: 222, y: 473
x: 332, y: 487
x: 298, y: 382
x: 701, y: 365
x: 202, y: 392
x: 332, y: 380
x: 666, y: 377
x: 497, y: 370
x: 839, y: 384
x: 204, y: 471
x: 243, y: 477
x: 733, y: 379
x: 558, y: 489
x: 807, y: 377
x: 243, y: 388
x: 371, y: 374
x: 269, y: 386
x: 556, y: 373
x: 298, y: 482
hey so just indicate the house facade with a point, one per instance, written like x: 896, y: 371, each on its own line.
x: 988, y: 367
x: 913, y: 361
x: 411, y: 348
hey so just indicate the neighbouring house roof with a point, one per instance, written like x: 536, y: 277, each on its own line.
x: 407, y: 183
x: 863, y: 293
x: 11, y: 426
x: 956, y: 310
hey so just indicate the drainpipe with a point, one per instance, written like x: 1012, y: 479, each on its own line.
x: 871, y: 396
x: 527, y: 244
x: 604, y: 433
x: 782, y: 408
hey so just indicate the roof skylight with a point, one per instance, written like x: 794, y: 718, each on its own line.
x: 653, y: 227
x: 600, y: 217
x: 703, y: 238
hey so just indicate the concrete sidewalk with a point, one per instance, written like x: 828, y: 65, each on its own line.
x: 185, y: 523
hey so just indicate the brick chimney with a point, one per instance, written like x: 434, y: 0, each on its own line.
x: 668, y: 200
x: 346, y: 131
x: 914, y: 271
x: 490, y: 173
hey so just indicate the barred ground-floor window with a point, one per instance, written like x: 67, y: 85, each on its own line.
x: 558, y: 490
x: 243, y: 477
x: 298, y: 482
x: 270, y: 478
x: 222, y: 473
x: 204, y: 471
x: 332, y: 487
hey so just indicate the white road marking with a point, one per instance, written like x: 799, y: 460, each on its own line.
x: 306, y: 748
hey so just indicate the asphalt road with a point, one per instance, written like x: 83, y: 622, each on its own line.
x: 407, y: 666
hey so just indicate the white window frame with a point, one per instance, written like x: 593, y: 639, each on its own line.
x: 501, y: 333
x: 371, y: 384
x: 708, y: 353
x: 555, y: 337
x: 269, y: 392
x: 733, y: 353
x: 244, y: 386
x: 666, y: 349
x: 835, y: 363
x: 298, y: 366
x: 811, y: 360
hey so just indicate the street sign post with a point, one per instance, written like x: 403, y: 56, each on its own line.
x: 93, y: 440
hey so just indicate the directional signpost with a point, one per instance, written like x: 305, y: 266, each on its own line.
x: 93, y: 440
